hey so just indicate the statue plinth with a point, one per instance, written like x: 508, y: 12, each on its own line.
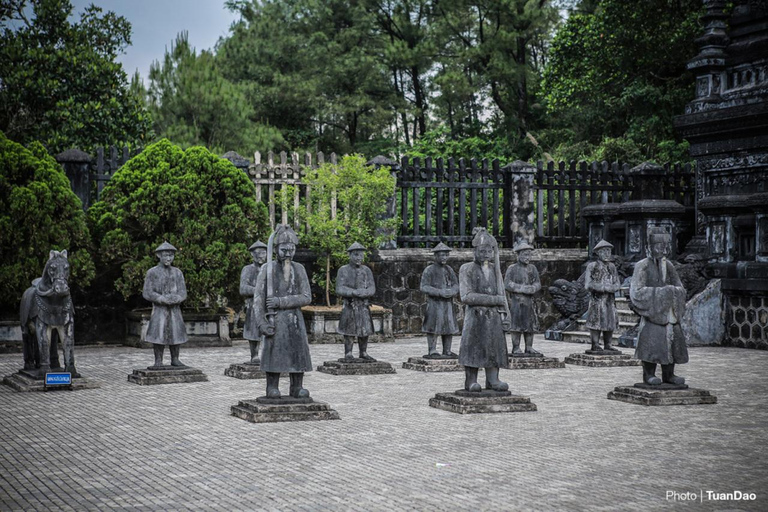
x: 526, y: 361
x: 167, y: 375
x: 433, y: 364
x: 602, y: 358
x: 486, y: 401
x: 356, y: 366
x: 663, y: 394
x: 31, y: 380
x: 285, y: 408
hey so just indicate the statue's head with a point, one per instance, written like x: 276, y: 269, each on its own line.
x: 56, y: 273
x: 258, y: 252
x: 286, y: 251
x: 165, y: 253
x: 659, y: 243
x: 441, y: 252
x: 524, y: 252
x: 603, y: 251
x: 356, y: 254
x: 484, y: 245
x: 286, y: 240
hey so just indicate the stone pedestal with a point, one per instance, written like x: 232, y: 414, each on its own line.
x: 433, y: 364
x: 167, y: 375
x: 245, y: 371
x: 486, y: 401
x: 602, y: 358
x: 663, y: 394
x: 285, y: 408
x: 533, y: 362
x: 355, y: 366
x: 25, y: 380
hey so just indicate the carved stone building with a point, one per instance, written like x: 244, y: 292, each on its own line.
x: 727, y: 127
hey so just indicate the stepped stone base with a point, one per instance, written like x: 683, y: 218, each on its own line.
x: 29, y: 381
x: 533, y: 362
x: 285, y: 408
x: 167, y: 375
x: 664, y: 394
x: 355, y: 366
x: 245, y: 371
x: 606, y: 359
x: 487, y: 401
x: 433, y: 364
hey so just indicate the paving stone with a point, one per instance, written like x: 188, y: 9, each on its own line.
x: 125, y: 446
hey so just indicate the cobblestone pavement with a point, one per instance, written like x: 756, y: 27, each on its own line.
x: 176, y: 446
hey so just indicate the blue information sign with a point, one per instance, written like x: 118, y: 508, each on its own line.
x: 58, y: 379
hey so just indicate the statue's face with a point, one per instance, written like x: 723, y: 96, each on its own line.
x: 660, y: 249
x: 259, y: 255
x: 166, y: 257
x: 356, y: 257
x: 524, y: 256
x: 604, y: 253
x: 286, y: 251
x: 483, y: 253
x: 441, y: 257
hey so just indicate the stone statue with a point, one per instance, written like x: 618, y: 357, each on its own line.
x: 46, y: 310
x: 282, y: 288
x: 522, y: 282
x: 440, y: 284
x: 601, y: 281
x: 354, y: 283
x: 658, y: 297
x: 248, y: 278
x: 483, y: 342
x: 164, y: 287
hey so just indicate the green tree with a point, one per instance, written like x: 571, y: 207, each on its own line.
x: 193, y: 104
x: 60, y: 82
x: 617, y: 72
x: 360, y: 193
x: 200, y: 203
x: 38, y: 213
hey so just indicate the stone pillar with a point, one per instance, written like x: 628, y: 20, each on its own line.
x: 77, y: 166
x: 382, y: 161
x: 518, y: 202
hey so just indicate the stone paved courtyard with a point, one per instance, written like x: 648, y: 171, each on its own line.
x: 176, y: 447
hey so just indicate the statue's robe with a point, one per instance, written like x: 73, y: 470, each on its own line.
x: 436, y: 282
x: 602, y: 282
x: 483, y: 341
x: 248, y: 278
x: 522, y: 282
x: 658, y: 297
x: 166, y: 325
x: 288, y: 350
x: 355, y: 318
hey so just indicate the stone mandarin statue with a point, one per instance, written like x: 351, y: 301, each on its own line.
x: 440, y: 284
x: 282, y: 288
x: 522, y: 282
x: 483, y: 341
x: 354, y: 283
x: 658, y: 297
x: 601, y: 281
x: 248, y: 278
x: 164, y: 287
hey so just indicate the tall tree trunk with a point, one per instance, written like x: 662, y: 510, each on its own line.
x: 522, y: 86
x: 420, y: 100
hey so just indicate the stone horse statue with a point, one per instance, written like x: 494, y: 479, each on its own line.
x: 46, y: 308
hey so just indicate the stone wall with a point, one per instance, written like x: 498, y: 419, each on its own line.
x: 398, y: 276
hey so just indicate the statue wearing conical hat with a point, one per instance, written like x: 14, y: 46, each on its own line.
x: 248, y: 277
x: 601, y: 281
x: 354, y: 283
x: 440, y: 284
x: 523, y: 283
x: 164, y: 287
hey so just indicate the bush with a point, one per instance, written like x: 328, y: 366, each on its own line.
x: 200, y: 203
x: 38, y: 212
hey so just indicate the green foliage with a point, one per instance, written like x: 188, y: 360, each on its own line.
x: 361, y: 193
x: 617, y: 72
x: 200, y: 203
x: 438, y: 143
x: 38, y: 213
x: 193, y: 104
x: 60, y: 82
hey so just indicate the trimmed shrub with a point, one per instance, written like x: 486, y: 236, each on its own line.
x: 200, y: 203
x: 38, y: 212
